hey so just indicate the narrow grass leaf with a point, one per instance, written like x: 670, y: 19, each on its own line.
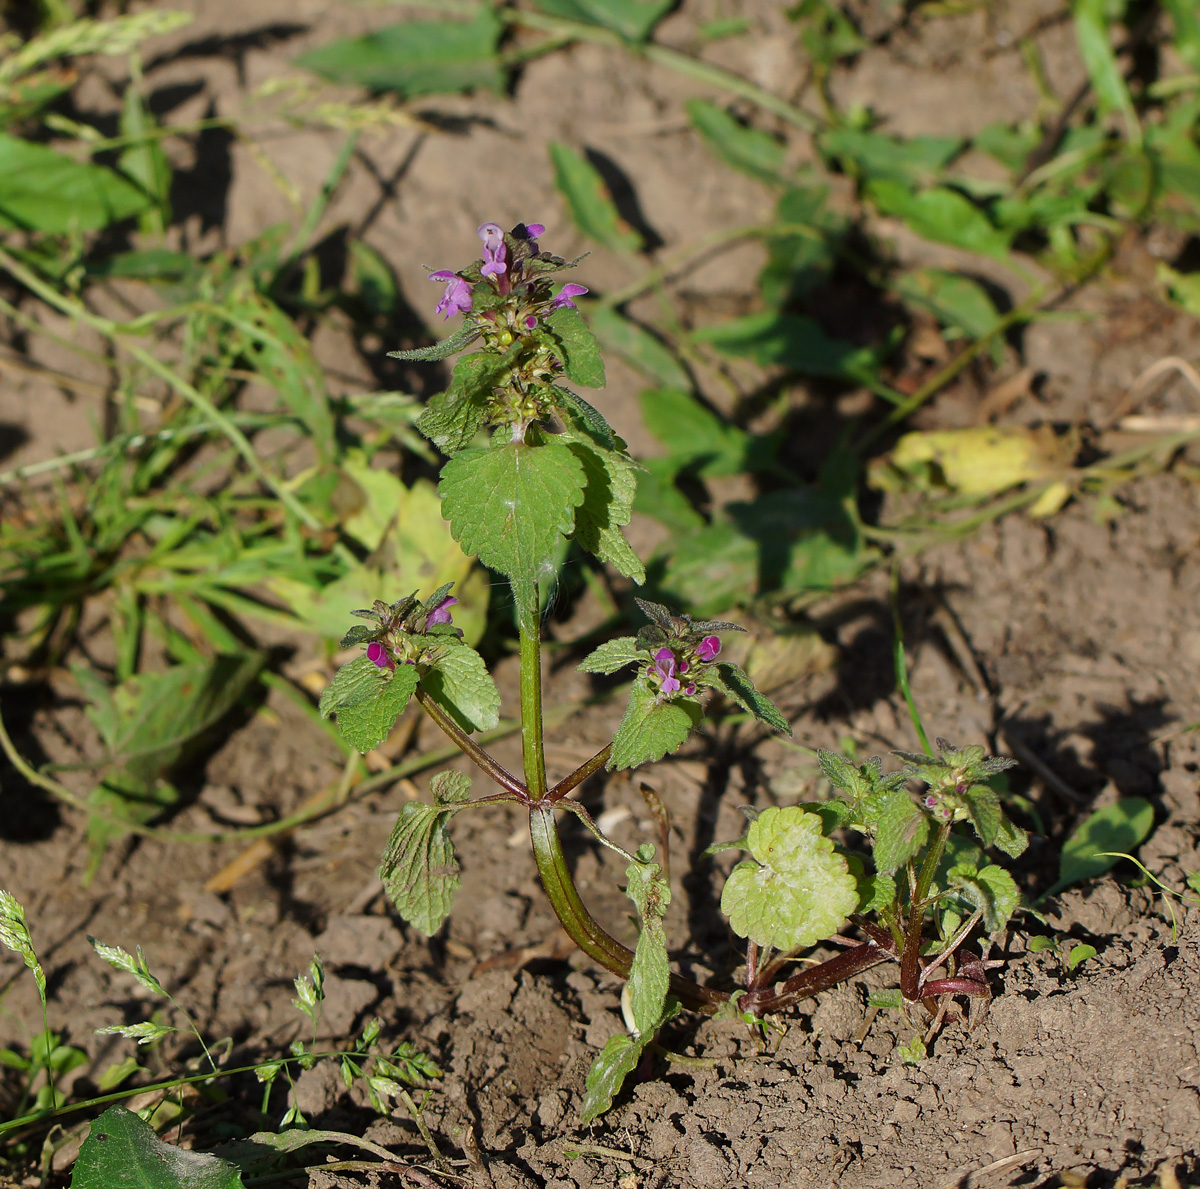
x: 942, y: 215
x: 417, y: 57
x: 1100, y: 60
x: 875, y: 156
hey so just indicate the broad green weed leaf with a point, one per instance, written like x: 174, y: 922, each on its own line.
x: 941, y: 215
x: 637, y: 347
x: 123, y: 1151
x: 511, y: 505
x: 589, y: 202
x: 796, y: 890
x: 585, y: 417
x: 460, y: 683
x: 794, y: 341
x: 583, y: 361
x: 991, y: 889
x: 458, y: 341
x: 611, y: 478
x: 41, y: 190
x: 953, y: 299
x: 738, y: 687
x: 1078, y: 954
x: 1118, y: 828
x: 614, y: 655
x: 616, y: 1061
x: 748, y: 150
x: 1182, y: 287
x: 900, y: 831
x: 694, y: 434
x: 417, y: 57
x: 650, y: 729
x: 658, y: 496
x: 418, y: 869
x: 452, y: 418
x: 877, y: 157
x: 876, y: 893
x: 650, y: 974
x: 1095, y: 47
x: 632, y: 19
x: 367, y: 700
x: 983, y: 806
x: 450, y: 788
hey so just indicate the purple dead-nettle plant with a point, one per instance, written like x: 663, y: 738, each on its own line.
x: 530, y: 466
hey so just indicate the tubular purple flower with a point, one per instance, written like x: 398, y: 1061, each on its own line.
x: 377, y: 655
x: 494, y: 251
x: 565, y: 294
x: 664, y: 664
x: 533, y: 230
x: 708, y: 648
x: 441, y: 613
x: 530, y: 322
x: 457, y: 297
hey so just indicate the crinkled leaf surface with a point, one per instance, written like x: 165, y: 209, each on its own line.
x: 737, y: 686
x: 416, y: 57
x: 617, y: 1060
x: 991, y: 889
x: 122, y: 1152
x: 452, y: 418
x: 607, y: 504
x: 614, y: 655
x: 367, y: 700
x: 650, y: 728
x: 796, y: 890
x: 650, y: 974
x: 900, y: 830
x: 585, y: 418
x: 458, y: 341
x: 584, y: 363
x: 419, y: 870
x: 458, y: 680
x: 511, y: 505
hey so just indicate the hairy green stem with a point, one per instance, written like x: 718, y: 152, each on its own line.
x: 533, y: 751
x: 910, y: 963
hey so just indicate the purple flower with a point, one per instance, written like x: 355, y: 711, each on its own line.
x: 494, y: 251
x: 440, y: 613
x: 530, y: 321
x: 533, y: 230
x: 565, y: 294
x: 457, y: 298
x: 378, y: 655
x: 664, y: 665
x: 709, y: 647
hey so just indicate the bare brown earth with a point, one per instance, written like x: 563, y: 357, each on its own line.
x: 1075, y: 642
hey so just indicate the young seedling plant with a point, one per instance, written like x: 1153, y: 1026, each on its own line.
x: 530, y: 462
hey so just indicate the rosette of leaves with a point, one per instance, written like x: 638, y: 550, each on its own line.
x: 677, y: 661
x: 958, y: 788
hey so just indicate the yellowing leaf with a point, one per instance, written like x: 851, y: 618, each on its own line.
x: 979, y: 461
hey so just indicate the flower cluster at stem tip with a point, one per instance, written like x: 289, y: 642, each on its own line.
x: 671, y: 666
x: 403, y: 629
x: 506, y: 297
